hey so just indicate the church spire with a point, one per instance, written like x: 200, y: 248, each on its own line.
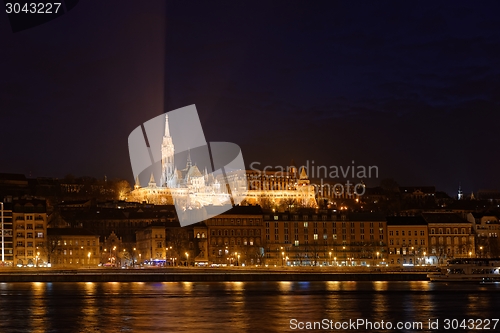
x: 137, y: 183
x: 189, y: 163
x: 167, y: 130
x: 303, y: 174
x: 152, y: 182
x: 303, y: 179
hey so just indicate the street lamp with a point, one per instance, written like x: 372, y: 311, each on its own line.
x: 187, y: 258
x: 89, y: 259
x: 345, y: 255
x: 481, y: 252
x: 238, y: 263
x: 170, y: 252
x: 282, y: 258
x: 424, y: 258
x: 133, y: 257
x: 330, y: 263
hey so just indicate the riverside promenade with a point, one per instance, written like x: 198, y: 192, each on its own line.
x: 196, y: 274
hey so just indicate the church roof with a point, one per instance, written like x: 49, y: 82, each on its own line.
x: 303, y: 174
x: 194, y: 172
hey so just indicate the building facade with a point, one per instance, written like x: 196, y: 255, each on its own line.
x: 72, y: 248
x: 408, y: 240
x: 6, y: 233
x: 325, y: 238
x: 236, y: 237
x: 151, y: 245
x: 191, y: 188
x: 487, y: 228
x: 29, y: 218
x: 450, y: 236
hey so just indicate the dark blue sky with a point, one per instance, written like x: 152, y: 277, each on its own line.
x: 411, y: 89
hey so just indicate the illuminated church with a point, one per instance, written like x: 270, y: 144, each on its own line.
x: 193, y: 188
x: 190, y: 187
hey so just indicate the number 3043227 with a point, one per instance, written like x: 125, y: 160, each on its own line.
x: 32, y: 8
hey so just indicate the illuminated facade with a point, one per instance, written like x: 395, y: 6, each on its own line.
x: 190, y: 187
x: 193, y: 188
x: 450, y: 236
x: 281, y: 189
x: 6, y: 233
x: 151, y: 246
x: 325, y: 238
x: 487, y: 229
x: 72, y: 248
x: 29, y: 217
x: 236, y: 237
x: 408, y: 240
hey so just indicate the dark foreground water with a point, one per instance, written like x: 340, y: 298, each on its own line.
x: 246, y: 306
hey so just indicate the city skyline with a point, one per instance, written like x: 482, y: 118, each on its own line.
x: 289, y: 164
x: 410, y: 90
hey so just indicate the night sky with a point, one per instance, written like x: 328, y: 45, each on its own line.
x: 413, y: 90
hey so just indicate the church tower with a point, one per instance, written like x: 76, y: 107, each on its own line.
x: 137, y: 183
x: 167, y: 157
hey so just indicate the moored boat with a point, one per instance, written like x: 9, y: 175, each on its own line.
x: 469, y: 270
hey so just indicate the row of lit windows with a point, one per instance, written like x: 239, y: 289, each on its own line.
x: 490, y: 234
x: 448, y: 230
x: 77, y: 261
x: 70, y: 252
x: 415, y: 233
x: 21, y: 244
x: 315, y: 231
x: 76, y: 242
x: 328, y: 224
x: 325, y: 237
x: 237, y: 232
x: 29, y: 253
x: 449, y: 250
x: 306, y: 217
x: 237, y: 241
x: 233, y: 241
x: 29, y: 235
x: 29, y: 217
x: 448, y: 240
x: 403, y: 242
x: 29, y: 226
x: 232, y: 221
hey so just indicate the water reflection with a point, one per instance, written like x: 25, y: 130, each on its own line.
x: 232, y: 306
x: 37, y: 308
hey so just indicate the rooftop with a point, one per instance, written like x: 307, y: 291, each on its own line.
x: 69, y: 232
x: 443, y: 218
x: 405, y: 220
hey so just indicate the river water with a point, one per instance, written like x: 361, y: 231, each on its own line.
x: 245, y: 306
